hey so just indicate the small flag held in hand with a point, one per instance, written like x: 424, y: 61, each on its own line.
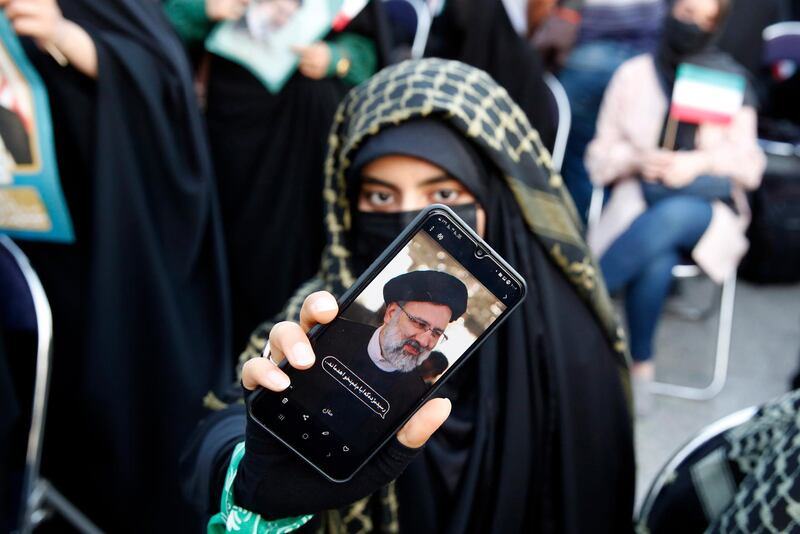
x: 702, y: 95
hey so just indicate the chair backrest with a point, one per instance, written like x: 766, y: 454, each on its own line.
x: 17, y: 307
x: 782, y: 42
x: 402, y: 17
x: 559, y: 106
x: 694, y: 483
x: 24, y: 298
x: 423, y: 15
x: 424, y: 23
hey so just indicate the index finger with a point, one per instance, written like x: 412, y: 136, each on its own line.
x: 318, y: 308
x: 297, y: 49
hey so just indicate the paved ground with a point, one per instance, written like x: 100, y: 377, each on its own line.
x: 764, y: 355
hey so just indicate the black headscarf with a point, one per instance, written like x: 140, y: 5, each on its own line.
x: 540, y: 437
x: 139, y: 302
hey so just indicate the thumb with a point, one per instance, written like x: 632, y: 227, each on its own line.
x: 424, y: 423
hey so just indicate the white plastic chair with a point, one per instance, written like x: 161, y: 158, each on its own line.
x: 563, y: 111
x: 727, y: 298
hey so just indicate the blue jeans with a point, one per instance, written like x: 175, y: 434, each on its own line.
x: 585, y: 76
x: 640, y: 261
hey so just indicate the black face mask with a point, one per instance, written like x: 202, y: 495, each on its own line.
x: 373, y: 232
x: 681, y: 39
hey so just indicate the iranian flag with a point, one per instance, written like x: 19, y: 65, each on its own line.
x: 347, y: 12
x: 703, y: 95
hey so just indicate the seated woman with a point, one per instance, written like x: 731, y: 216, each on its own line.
x: 540, y: 436
x: 666, y: 203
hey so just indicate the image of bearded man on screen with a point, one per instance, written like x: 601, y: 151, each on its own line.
x: 419, y: 307
x: 386, y: 360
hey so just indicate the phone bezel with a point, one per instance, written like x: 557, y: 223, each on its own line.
x: 355, y: 290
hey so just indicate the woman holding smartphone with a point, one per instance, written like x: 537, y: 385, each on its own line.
x: 539, y: 434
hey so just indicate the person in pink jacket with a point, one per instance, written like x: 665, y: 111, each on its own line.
x: 676, y: 203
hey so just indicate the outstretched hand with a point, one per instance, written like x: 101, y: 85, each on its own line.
x: 275, y: 482
x: 289, y: 340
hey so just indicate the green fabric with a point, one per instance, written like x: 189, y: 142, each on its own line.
x: 359, y: 50
x: 234, y: 518
x: 189, y: 19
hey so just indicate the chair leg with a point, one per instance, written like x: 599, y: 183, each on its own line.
x: 694, y: 313
x: 595, y: 206
x: 45, y: 494
x: 721, y: 356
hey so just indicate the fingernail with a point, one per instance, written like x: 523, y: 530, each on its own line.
x: 302, y: 354
x: 322, y: 305
x: 277, y: 379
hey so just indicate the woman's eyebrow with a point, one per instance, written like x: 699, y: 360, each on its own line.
x: 365, y: 179
x: 377, y: 181
x: 437, y: 180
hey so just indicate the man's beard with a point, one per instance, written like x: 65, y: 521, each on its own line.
x: 393, y: 348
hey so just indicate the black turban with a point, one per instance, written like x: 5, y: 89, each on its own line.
x: 428, y: 286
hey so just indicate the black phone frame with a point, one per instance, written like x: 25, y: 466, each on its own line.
x: 459, y: 229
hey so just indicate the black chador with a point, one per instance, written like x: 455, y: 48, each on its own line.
x: 139, y: 300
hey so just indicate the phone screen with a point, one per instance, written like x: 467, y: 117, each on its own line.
x: 417, y: 316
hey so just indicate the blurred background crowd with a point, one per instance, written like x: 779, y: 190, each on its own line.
x: 194, y: 182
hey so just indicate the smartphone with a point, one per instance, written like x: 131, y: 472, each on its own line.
x: 406, y: 325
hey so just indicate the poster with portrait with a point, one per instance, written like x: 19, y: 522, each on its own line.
x: 262, y: 39
x: 32, y: 204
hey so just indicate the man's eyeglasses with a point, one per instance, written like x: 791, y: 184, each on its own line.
x: 424, y: 326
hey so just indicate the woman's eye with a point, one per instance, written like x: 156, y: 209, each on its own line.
x: 445, y: 195
x: 380, y: 198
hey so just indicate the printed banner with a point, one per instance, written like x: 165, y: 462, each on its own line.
x: 703, y: 95
x: 32, y: 205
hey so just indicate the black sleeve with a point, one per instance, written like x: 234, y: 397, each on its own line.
x: 205, y: 460
x: 268, y: 464
x: 371, y: 22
